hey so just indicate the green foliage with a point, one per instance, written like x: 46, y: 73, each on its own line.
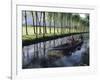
x: 51, y: 24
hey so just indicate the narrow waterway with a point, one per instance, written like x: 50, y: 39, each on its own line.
x: 39, y: 55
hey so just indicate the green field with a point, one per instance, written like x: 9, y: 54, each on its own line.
x: 32, y: 35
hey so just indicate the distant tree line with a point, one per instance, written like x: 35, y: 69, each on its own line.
x: 64, y: 21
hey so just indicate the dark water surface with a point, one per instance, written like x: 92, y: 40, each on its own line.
x: 43, y: 54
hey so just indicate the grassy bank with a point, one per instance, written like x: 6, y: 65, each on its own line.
x: 58, y: 31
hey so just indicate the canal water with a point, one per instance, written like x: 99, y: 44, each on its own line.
x: 43, y: 55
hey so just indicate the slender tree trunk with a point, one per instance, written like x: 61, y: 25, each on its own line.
x: 50, y: 22
x: 66, y: 23
x: 57, y: 29
x: 33, y: 22
x: 40, y: 23
x: 36, y: 24
x: 54, y: 23
x: 50, y: 25
x: 70, y: 25
x: 57, y: 23
x: 26, y: 23
x: 43, y: 24
x: 45, y: 30
x: 61, y: 22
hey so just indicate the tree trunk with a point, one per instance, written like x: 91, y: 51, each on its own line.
x: 33, y: 22
x: 26, y: 23
x: 54, y: 22
x: 50, y: 20
x: 40, y: 23
x: 43, y: 25
x: 36, y: 24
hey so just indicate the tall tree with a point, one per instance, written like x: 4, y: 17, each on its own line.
x: 87, y: 22
x: 36, y: 24
x: 40, y: 19
x: 44, y: 25
x: 61, y: 20
x: 64, y: 22
x: 58, y: 21
x: 69, y: 21
x: 33, y: 22
x: 50, y: 20
x: 76, y: 19
x: 54, y: 20
x: 26, y: 23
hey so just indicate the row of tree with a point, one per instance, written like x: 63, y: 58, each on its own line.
x: 64, y: 21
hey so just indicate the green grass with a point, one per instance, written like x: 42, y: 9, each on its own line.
x: 31, y: 35
x: 31, y: 30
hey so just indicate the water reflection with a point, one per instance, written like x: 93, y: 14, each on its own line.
x: 74, y: 59
x: 36, y: 55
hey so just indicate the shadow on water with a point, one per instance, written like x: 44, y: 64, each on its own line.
x: 61, y: 54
